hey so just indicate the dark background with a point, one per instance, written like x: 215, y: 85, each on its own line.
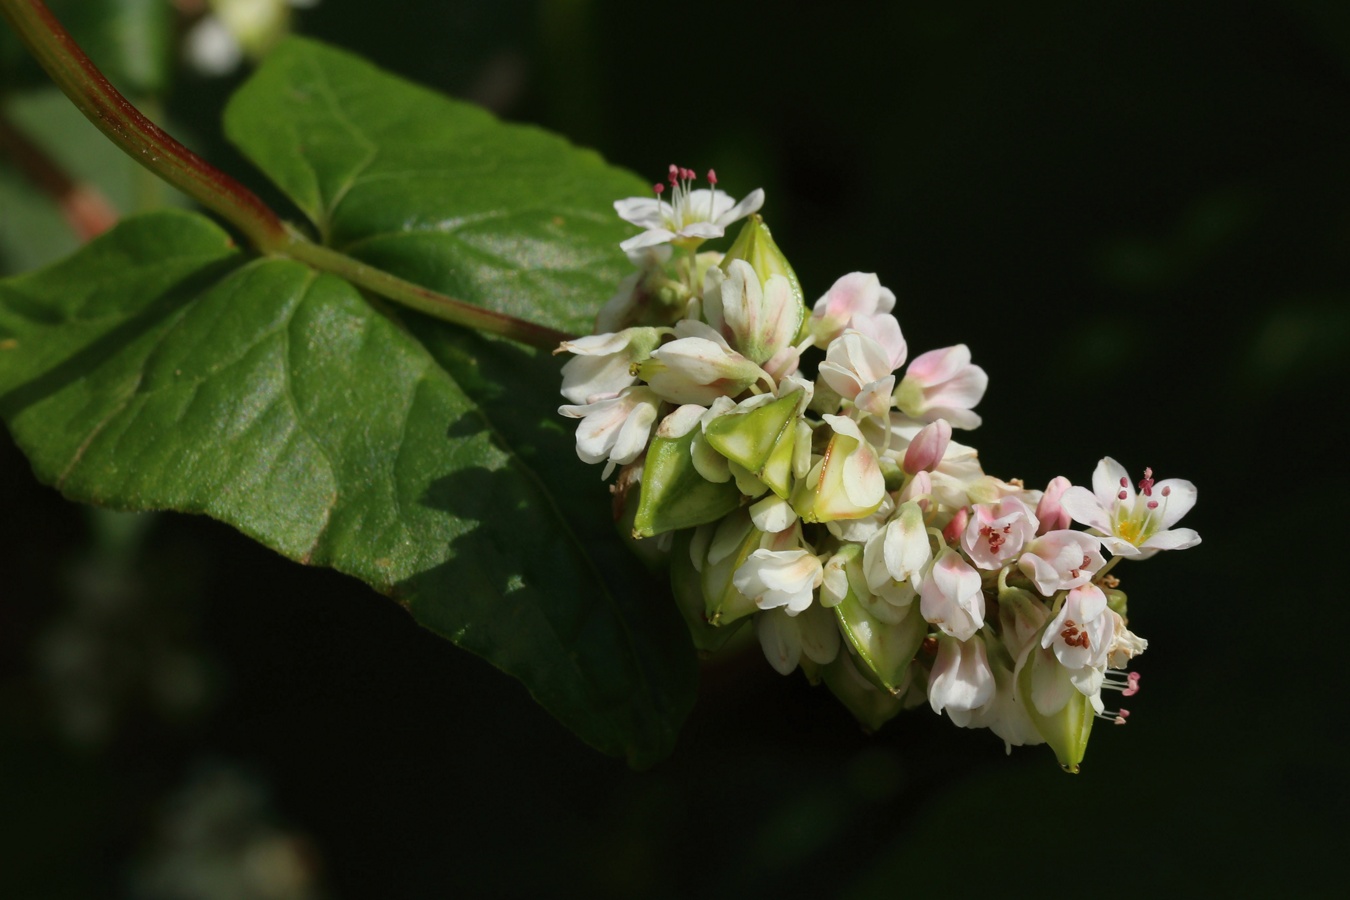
x: 1138, y: 217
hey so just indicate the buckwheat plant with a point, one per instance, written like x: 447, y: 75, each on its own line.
x: 805, y: 479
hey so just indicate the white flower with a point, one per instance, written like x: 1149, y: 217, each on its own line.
x: 691, y: 217
x: 615, y: 428
x: 603, y: 363
x: 758, y: 320
x: 774, y: 578
x: 1133, y: 525
x: 951, y: 597
x: 698, y: 367
x: 858, y: 370
x: 961, y: 680
x: 896, y: 558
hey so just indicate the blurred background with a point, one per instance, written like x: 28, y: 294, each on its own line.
x: 1138, y: 217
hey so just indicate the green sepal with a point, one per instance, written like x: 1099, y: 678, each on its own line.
x: 687, y: 584
x: 723, y: 603
x: 749, y: 438
x: 884, y: 649
x: 1067, y: 730
x: 870, y: 705
x: 674, y: 495
x: 756, y: 245
x: 825, y: 482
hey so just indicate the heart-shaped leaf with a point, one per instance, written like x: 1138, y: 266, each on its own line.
x: 162, y: 368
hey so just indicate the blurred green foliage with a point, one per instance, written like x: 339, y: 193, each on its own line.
x: 1137, y: 216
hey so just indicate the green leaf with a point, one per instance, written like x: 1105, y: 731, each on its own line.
x: 435, y: 191
x: 161, y: 368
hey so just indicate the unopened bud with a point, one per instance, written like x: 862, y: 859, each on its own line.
x: 926, y: 450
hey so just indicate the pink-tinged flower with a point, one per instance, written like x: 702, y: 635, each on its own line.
x: 698, y: 367
x: 950, y: 597
x: 942, y: 384
x: 779, y: 578
x: 1133, y: 525
x: 997, y: 532
x: 1080, y: 637
x: 615, y: 428
x: 961, y: 680
x: 857, y: 369
x: 1061, y: 560
x: 1049, y: 511
x: 690, y: 218
x: 925, y: 452
x: 854, y: 299
x: 603, y: 362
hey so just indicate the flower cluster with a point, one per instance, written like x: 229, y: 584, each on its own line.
x: 836, y: 512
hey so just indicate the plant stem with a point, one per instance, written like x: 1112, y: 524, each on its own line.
x: 138, y: 137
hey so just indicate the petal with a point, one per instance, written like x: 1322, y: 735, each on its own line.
x: 704, y: 230
x: 1108, y: 480
x: 647, y: 239
x: 1180, y: 498
x: 1085, y: 509
x: 937, y: 366
x: 644, y: 212
x: 1176, y: 539
x: 750, y: 204
x: 780, y: 640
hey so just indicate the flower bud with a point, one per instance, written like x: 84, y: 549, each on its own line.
x: 1049, y: 513
x: 698, y: 367
x: 926, y: 450
x: 756, y: 246
x: 759, y: 320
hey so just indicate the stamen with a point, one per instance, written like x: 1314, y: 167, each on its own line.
x: 712, y: 177
x: 660, y: 189
x: 1125, y: 682
x: 1146, y: 485
x: 1122, y: 495
x: 1115, y: 716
